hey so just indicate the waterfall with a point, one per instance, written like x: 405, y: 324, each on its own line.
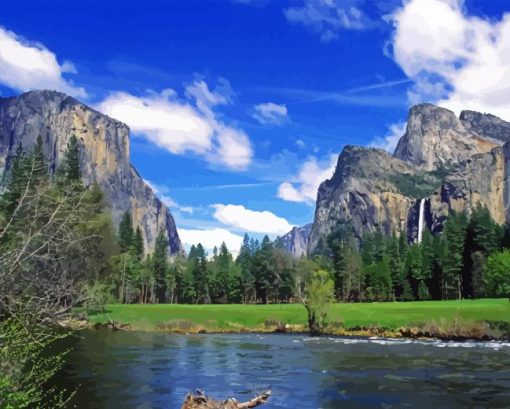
x: 421, y: 220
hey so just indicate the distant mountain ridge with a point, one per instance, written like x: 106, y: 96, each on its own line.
x: 104, y: 150
x: 295, y: 242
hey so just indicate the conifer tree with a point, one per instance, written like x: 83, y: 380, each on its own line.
x: 73, y: 159
x: 454, y: 235
x: 200, y: 276
x: 264, y: 270
x: 160, y: 266
x: 138, y: 243
x: 396, y: 267
x: 126, y: 233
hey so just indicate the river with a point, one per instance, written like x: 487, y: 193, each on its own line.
x: 155, y: 370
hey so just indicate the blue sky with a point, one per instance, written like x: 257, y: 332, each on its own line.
x: 239, y: 109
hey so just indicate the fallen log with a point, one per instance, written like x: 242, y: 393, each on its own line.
x: 200, y: 401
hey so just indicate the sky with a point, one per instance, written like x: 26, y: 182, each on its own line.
x: 239, y: 109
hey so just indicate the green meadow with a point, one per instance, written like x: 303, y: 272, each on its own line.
x: 231, y: 317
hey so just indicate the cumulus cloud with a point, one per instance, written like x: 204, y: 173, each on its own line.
x: 311, y: 175
x: 328, y: 17
x: 390, y: 140
x: 184, y: 126
x: 270, y: 113
x: 26, y: 65
x: 459, y: 60
x: 211, y: 238
x: 251, y: 220
x: 162, y: 193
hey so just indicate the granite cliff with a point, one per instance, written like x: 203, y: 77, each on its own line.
x: 443, y: 161
x: 296, y: 241
x: 105, y: 155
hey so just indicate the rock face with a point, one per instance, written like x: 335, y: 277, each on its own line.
x: 436, y: 139
x: 295, y: 242
x: 104, y: 150
x: 451, y: 163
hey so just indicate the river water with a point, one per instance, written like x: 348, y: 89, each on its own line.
x: 154, y: 370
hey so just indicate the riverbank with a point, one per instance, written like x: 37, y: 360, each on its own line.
x: 465, y: 319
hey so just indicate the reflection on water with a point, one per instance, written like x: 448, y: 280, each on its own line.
x: 148, y: 371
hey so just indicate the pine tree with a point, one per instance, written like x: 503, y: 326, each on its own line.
x: 73, y: 159
x: 353, y: 281
x: 245, y: 260
x: 138, y: 243
x: 396, y: 267
x: 454, y: 235
x: 200, y: 276
x: 126, y: 233
x: 264, y: 270
x: 160, y: 266
x: 368, y: 249
x: 224, y: 262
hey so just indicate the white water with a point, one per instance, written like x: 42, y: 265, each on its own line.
x: 421, y: 220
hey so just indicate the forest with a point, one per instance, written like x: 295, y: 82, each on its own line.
x: 470, y: 258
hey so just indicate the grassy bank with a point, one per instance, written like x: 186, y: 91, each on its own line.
x: 466, y: 316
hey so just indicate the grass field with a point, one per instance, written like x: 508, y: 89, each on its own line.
x: 255, y: 317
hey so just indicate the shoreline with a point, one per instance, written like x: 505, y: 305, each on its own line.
x: 412, y: 333
x: 483, y: 319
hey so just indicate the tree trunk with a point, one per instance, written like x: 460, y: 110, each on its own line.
x: 200, y: 401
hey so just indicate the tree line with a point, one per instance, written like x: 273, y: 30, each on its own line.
x: 469, y: 258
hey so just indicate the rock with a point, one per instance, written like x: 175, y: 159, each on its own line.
x: 104, y: 149
x: 436, y: 139
x: 451, y: 163
x: 295, y: 242
x: 370, y: 189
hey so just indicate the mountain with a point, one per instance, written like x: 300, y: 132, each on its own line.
x: 295, y: 241
x: 105, y: 155
x: 441, y: 163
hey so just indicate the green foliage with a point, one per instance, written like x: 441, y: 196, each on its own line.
x: 69, y: 169
x: 126, y: 232
x: 497, y: 277
x: 138, y: 243
x: 378, y: 281
x: 454, y: 235
x: 26, y: 366
x: 416, y: 185
x: 55, y: 242
x: 319, y: 294
x: 160, y: 266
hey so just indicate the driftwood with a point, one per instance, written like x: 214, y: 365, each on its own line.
x: 200, y: 401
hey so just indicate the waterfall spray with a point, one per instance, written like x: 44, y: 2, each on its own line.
x: 421, y: 220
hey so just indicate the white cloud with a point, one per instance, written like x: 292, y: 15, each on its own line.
x: 180, y: 126
x: 26, y: 66
x: 311, y: 175
x: 211, y: 238
x: 162, y: 193
x: 328, y: 17
x: 390, y: 140
x: 250, y: 220
x: 456, y: 59
x: 270, y: 113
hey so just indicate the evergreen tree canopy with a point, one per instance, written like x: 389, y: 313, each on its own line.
x: 126, y: 232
